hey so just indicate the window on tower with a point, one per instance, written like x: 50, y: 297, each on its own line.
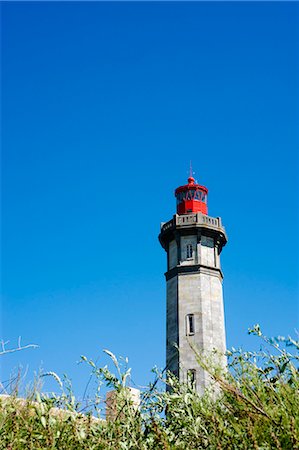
x: 190, y: 325
x: 189, y: 251
x: 191, y: 378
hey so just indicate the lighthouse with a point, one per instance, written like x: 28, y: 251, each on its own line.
x: 193, y: 242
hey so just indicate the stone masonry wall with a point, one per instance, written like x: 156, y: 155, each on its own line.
x: 172, y: 326
x: 200, y: 295
x: 194, y: 295
x: 173, y: 254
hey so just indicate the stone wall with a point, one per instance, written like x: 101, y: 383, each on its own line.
x: 172, y: 332
x: 194, y: 287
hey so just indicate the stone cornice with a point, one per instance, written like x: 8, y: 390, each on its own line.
x: 196, y: 269
x: 190, y: 224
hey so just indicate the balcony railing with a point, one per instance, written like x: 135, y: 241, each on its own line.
x: 186, y: 220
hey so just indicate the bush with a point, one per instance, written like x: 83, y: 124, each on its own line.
x: 252, y: 405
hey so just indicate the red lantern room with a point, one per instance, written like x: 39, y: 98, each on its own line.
x: 191, y: 198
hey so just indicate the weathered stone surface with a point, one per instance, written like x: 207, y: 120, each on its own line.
x: 196, y: 289
x: 173, y: 254
x: 115, y: 401
x: 172, y: 331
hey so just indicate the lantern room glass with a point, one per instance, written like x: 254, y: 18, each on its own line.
x: 191, y: 195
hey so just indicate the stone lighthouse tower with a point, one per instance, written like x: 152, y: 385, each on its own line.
x: 193, y: 242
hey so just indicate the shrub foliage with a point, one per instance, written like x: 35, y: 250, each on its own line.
x: 252, y: 405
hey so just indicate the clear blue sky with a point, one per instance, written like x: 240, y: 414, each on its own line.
x: 103, y: 106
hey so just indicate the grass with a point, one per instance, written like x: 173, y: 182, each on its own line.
x: 253, y: 405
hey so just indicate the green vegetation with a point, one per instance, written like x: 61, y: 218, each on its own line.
x: 256, y: 407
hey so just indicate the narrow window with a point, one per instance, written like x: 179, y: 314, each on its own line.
x: 191, y: 376
x: 190, y: 325
x: 189, y: 251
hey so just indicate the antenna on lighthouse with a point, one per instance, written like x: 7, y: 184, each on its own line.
x: 191, y: 173
x: 191, y: 178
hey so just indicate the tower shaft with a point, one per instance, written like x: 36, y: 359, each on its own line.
x: 195, y: 316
